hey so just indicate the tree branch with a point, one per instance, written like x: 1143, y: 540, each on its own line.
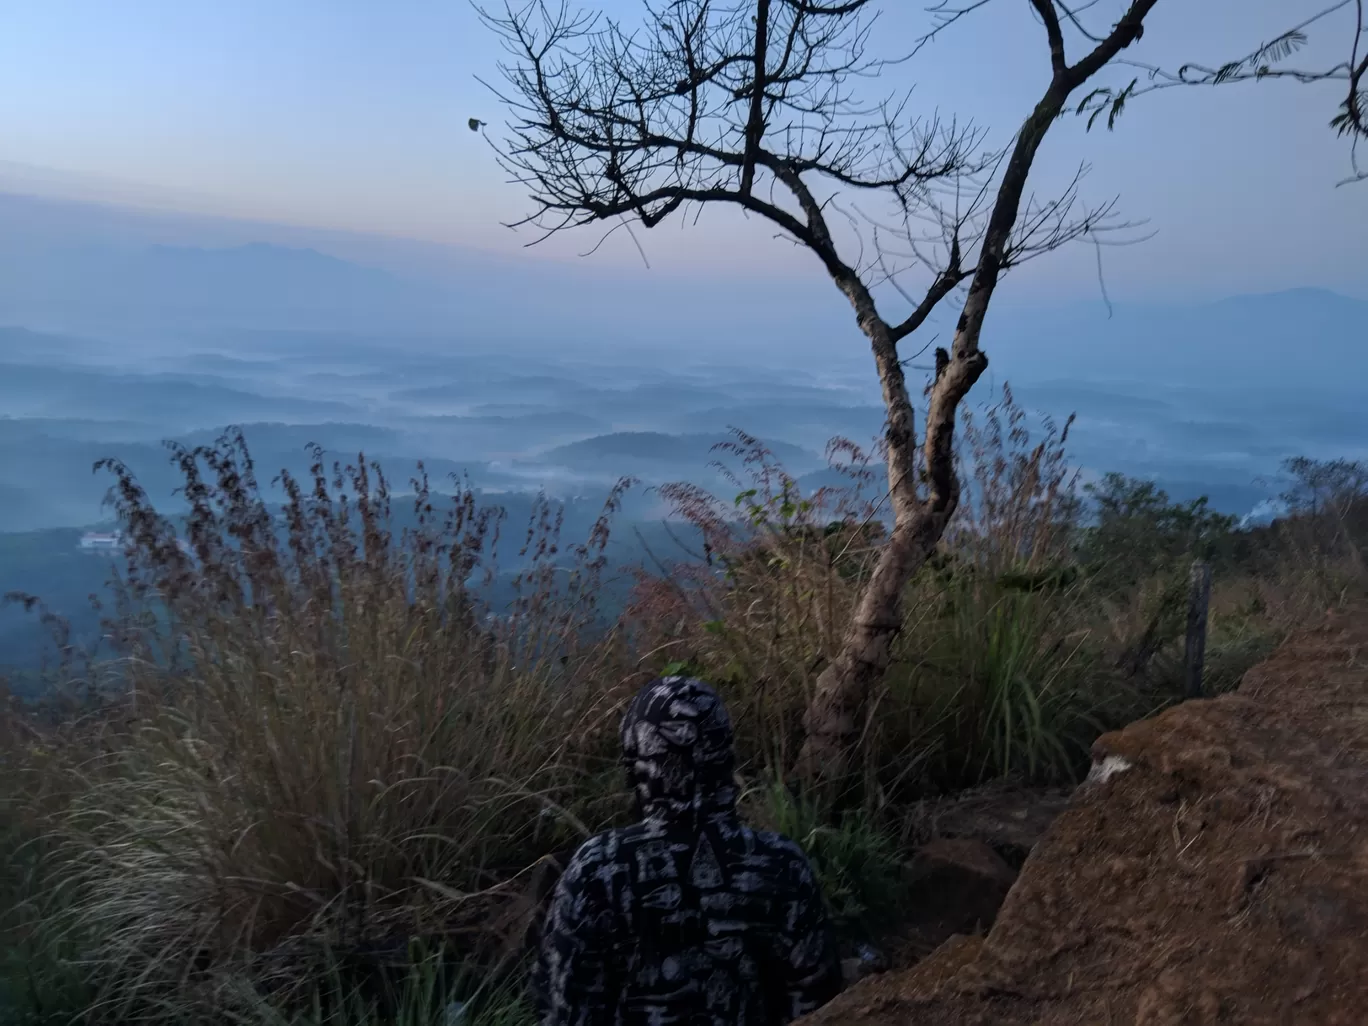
x: 755, y: 124
x: 1258, y: 65
x: 1046, y: 10
x: 967, y: 361
x: 1129, y: 29
x: 945, y: 283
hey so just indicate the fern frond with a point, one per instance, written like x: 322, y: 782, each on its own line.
x: 1228, y: 71
x: 1279, y: 49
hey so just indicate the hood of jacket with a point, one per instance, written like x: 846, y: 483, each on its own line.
x: 678, y: 752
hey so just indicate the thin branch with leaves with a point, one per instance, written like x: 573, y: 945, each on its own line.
x: 1267, y: 61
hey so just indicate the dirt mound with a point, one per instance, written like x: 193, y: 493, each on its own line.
x: 1214, y: 869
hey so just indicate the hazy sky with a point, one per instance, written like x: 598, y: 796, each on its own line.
x: 352, y: 114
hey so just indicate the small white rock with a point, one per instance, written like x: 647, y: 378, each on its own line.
x: 1109, y: 767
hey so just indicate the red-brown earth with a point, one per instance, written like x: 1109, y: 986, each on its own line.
x: 1214, y: 869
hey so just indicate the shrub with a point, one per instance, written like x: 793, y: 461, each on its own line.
x: 1316, y: 558
x: 1138, y: 532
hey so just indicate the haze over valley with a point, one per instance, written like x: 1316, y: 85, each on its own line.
x: 1205, y: 396
x: 288, y: 343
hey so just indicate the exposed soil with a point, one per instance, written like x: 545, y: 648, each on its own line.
x: 1213, y: 870
x: 973, y: 844
x: 1010, y: 820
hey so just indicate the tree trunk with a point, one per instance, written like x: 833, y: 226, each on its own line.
x: 832, y: 721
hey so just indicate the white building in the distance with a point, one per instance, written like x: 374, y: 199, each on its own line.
x: 102, y: 541
x: 113, y: 541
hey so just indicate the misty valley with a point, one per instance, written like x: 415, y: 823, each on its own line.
x: 516, y: 424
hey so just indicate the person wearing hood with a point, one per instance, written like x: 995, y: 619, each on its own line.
x: 688, y: 917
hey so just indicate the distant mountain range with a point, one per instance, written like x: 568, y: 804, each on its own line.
x: 120, y: 273
x: 175, y: 402
x: 253, y: 285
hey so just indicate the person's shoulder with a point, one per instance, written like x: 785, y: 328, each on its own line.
x: 606, y: 848
x: 783, y: 854
x: 593, y: 852
x: 776, y: 844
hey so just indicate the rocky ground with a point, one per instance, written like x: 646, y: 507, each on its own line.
x: 1213, y: 870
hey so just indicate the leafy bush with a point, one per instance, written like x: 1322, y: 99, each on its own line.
x: 1316, y: 558
x: 1138, y: 532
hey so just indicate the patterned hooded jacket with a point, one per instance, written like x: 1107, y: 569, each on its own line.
x: 689, y: 917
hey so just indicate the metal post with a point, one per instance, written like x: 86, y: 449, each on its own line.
x: 1194, y: 655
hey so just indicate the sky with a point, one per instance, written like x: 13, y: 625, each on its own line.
x: 351, y: 114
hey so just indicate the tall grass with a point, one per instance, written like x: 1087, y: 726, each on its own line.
x: 765, y: 603
x: 428, y: 990
x: 1317, y: 558
x: 855, y: 858
x: 320, y: 735
x: 315, y: 747
x: 1003, y: 660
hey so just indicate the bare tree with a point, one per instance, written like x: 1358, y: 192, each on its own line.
x: 753, y: 103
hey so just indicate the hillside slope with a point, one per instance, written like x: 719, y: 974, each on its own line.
x: 1214, y: 870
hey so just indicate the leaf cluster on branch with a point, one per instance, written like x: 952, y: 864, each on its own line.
x: 1267, y: 61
